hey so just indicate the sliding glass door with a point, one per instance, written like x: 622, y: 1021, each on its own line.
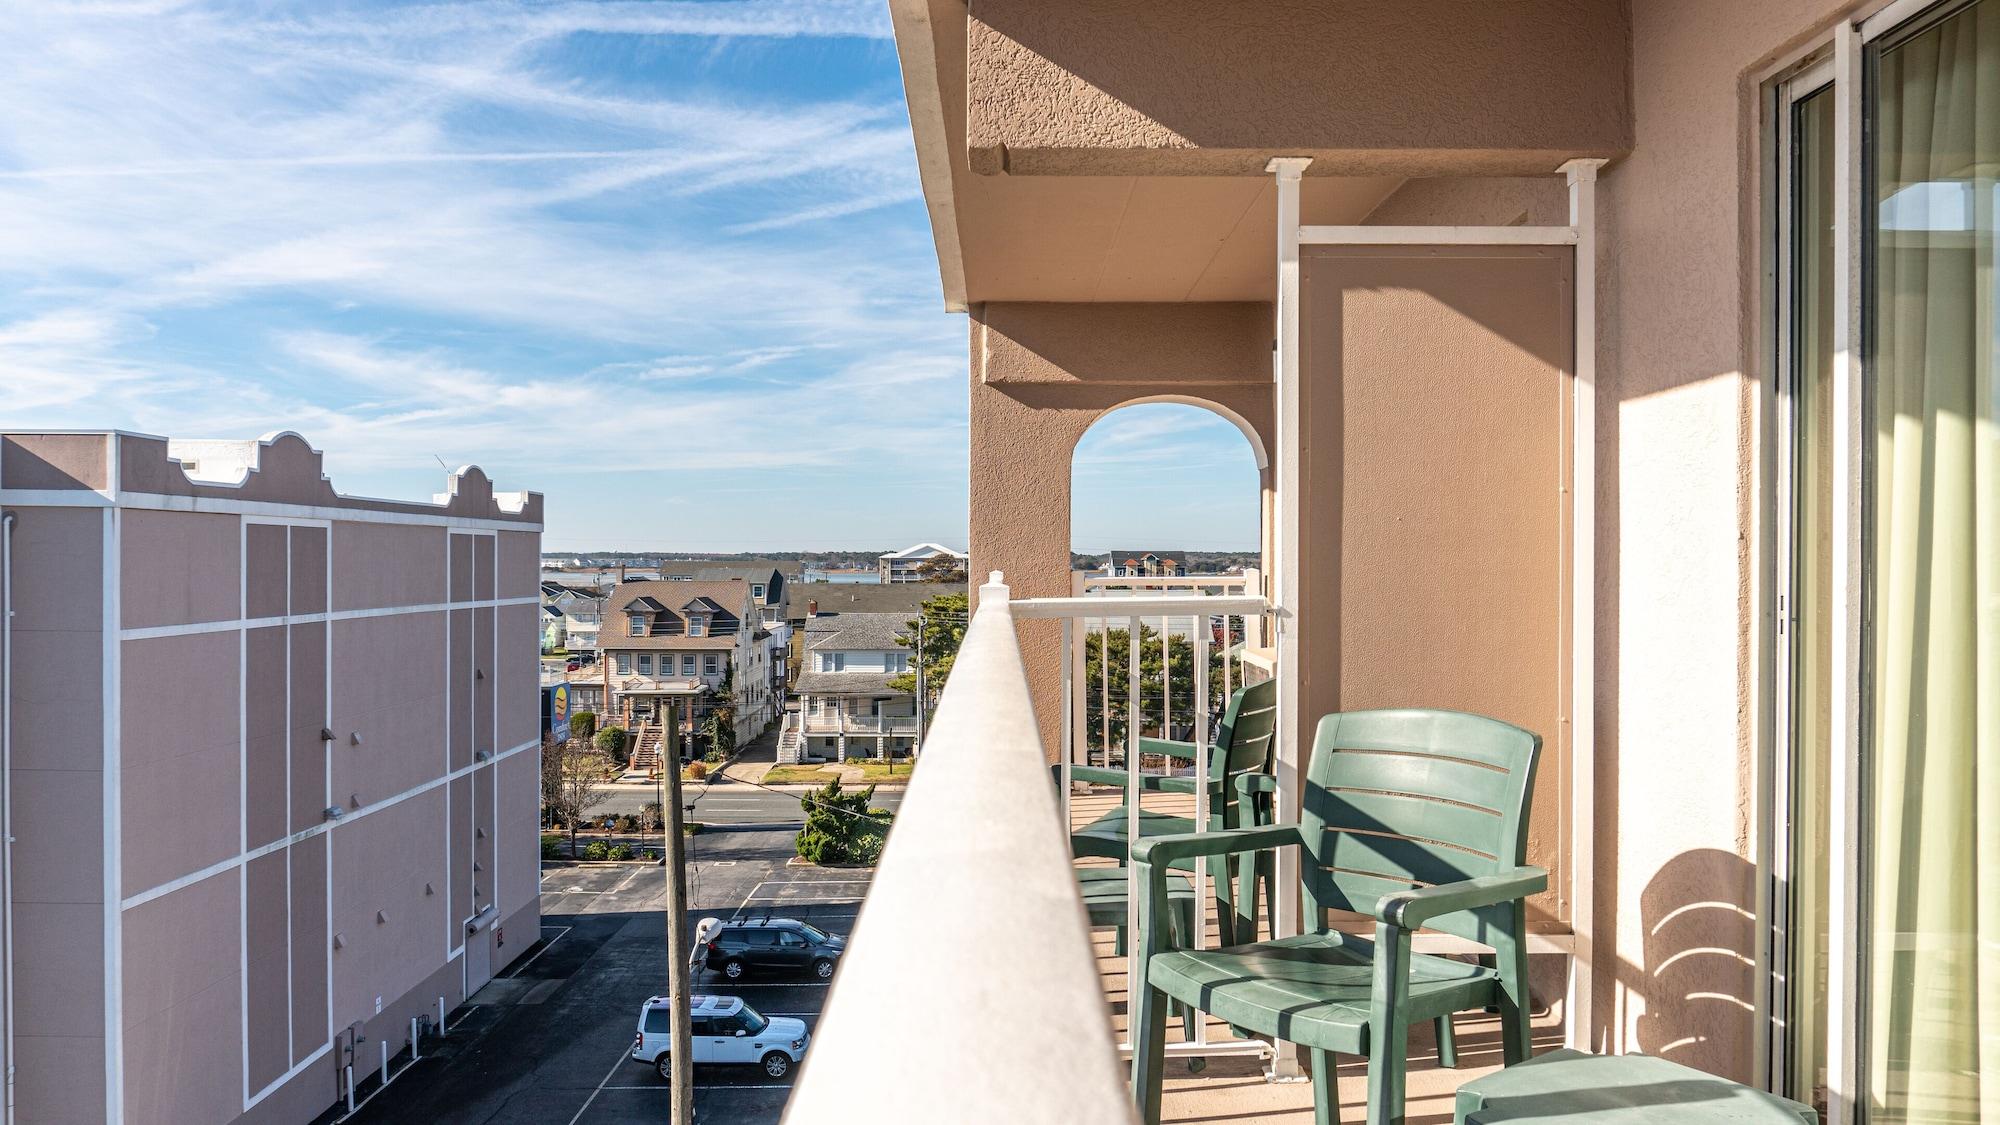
x: 1931, y: 745
x: 1886, y: 866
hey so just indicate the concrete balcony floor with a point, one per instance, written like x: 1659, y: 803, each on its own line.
x: 1233, y: 1088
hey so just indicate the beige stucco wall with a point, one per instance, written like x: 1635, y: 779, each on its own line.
x: 1680, y: 516
x: 1678, y: 649
x: 1201, y: 87
x: 1434, y: 400
x: 1041, y: 375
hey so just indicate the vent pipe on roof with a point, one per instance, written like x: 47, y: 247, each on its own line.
x: 812, y: 608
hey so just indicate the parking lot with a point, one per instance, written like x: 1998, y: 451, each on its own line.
x: 548, y: 1043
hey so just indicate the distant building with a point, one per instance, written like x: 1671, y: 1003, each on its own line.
x: 578, y: 609
x: 1145, y: 564
x: 770, y: 588
x: 675, y: 642
x: 905, y: 565
x: 284, y: 747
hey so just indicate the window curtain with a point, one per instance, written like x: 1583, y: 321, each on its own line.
x: 1933, y: 753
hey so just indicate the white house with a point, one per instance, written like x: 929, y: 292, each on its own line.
x: 903, y: 565
x: 846, y: 706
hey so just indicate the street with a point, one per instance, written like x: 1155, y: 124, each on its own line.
x: 725, y: 802
x: 548, y: 1042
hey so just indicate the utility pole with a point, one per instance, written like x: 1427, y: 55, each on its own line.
x: 679, y: 956
x: 921, y: 693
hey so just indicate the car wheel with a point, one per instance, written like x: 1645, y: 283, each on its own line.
x: 823, y: 969
x: 732, y: 969
x: 777, y: 1064
x: 663, y: 1064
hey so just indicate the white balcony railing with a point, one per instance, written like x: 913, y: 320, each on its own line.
x: 860, y: 724
x: 1024, y: 1039
x: 1203, y: 629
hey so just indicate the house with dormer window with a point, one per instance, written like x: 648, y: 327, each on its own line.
x: 686, y: 643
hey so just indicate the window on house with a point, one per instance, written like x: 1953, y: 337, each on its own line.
x: 638, y: 624
x: 687, y: 664
x: 757, y: 592
x: 624, y: 664
x: 645, y: 665
x: 709, y: 665
x: 697, y: 626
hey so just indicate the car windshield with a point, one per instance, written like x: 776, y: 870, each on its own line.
x: 812, y: 931
x: 749, y: 1020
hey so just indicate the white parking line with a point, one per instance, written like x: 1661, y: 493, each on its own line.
x: 544, y: 949
x: 622, y: 1056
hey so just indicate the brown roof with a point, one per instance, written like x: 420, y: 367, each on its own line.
x: 733, y: 595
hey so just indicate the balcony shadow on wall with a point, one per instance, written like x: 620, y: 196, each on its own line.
x: 1698, y: 980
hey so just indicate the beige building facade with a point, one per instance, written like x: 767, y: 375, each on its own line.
x: 1619, y: 369
x: 272, y: 771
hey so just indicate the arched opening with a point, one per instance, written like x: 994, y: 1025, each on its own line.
x: 1167, y: 497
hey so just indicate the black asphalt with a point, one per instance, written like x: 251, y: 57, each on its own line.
x: 548, y: 1044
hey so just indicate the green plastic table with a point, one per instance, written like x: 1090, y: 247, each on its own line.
x: 1568, y: 1087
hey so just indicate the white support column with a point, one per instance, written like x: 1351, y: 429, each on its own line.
x: 1289, y: 560
x: 1579, y: 1005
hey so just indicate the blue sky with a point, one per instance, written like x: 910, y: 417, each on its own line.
x: 666, y: 262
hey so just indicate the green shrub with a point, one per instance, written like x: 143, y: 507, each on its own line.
x: 621, y: 851
x: 596, y: 849
x: 610, y: 741
x: 583, y: 725
x: 712, y: 757
x: 841, y: 827
x: 552, y: 845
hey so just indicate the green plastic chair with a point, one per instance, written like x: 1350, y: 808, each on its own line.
x: 1238, y: 771
x: 1416, y: 817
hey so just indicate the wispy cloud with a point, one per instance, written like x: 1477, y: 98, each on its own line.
x: 637, y: 229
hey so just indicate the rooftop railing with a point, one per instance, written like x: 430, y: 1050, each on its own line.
x: 1019, y: 1034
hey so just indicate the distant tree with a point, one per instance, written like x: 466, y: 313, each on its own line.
x: 609, y: 741
x: 583, y: 724
x: 944, y: 619
x: 1180, y: 659
x: 571, y: 770
x: 941, y: 568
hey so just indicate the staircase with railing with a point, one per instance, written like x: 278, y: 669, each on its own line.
x: 646, y: 748
x: 791, y: 742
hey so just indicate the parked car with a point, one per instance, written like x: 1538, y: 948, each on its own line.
x: 722, y: 1030
x: 775, y: 944
x: 574, y: 665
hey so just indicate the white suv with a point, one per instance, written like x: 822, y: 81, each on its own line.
x: 724, y: 1030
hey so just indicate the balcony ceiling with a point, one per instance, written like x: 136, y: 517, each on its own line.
x: 1088, y: 238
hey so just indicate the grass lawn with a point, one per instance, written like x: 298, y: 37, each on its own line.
x: 797, y: 775
x: 871, y: 771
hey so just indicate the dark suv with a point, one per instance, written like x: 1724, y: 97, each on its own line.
x: 780, y: 944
